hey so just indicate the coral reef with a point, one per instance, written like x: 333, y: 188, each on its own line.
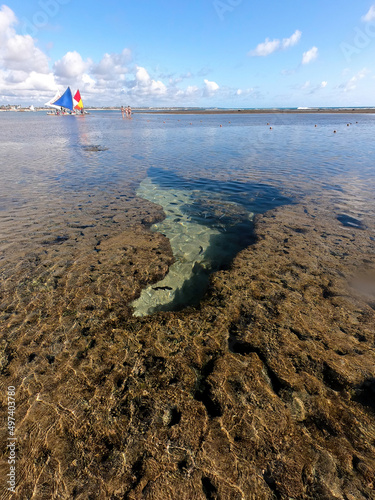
x: 265, y: 390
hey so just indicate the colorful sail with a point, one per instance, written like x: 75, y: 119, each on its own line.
x: 78, y: 100
x: 66, y: 100
x: 51, y: 102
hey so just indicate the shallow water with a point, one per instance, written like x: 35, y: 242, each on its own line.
x: 208, y: 223
x: 204, y: 235
x: 59, y: 173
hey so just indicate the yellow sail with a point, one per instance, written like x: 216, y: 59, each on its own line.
x: 78, y: 100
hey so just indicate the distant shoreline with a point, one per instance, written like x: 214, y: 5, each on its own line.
x: 256, y: 111
x: 197, y: 111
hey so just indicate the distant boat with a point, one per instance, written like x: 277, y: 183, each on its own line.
x: 65, y: 104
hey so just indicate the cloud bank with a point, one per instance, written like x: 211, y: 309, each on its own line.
x: 27, y: 75
x: 23, y: 66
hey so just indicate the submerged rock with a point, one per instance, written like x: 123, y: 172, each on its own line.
x: 94, y: 148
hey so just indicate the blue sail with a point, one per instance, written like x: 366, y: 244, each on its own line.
x: 66, y: 100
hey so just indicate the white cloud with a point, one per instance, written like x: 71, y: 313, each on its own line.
x: 192, y: 89
x: 352, y: 83
x: 310, y: 55
x: 293, y: 40
x: 174, y: 81
x: 40, y: 82
x: 16, y: 76
x: 157, y: 87
x: 190, y: 94
x: 112, y: 66
x: 19, y: 52
x: 71, y: 66
x: 312, y: 89
x: 28, y: 77
x: 265, y: 48
x: 142, y: 86
x: 269, y: 46
x: 7, y: 21
x: 370, y: 16
x: 142, y: 76
x: 146, y: 85
x: 24, y: 67
x: 244, y: 92
x: 210, y: 87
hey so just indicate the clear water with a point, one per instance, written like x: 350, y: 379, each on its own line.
x: 51, y: 171
x: 207, y: 222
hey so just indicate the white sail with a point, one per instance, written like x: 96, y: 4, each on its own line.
x: 51, y: 101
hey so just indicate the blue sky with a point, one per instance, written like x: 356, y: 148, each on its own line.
x: 225, y: 53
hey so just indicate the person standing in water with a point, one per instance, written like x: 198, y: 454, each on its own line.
x: 122, y: 111
x: 129, y: 110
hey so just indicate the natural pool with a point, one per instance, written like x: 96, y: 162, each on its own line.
x: 207, y: 224
x: 265, y: 388
x: 61, y: 173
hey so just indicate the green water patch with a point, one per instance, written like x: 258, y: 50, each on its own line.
x: 207, y: 223
x: 198, y: 248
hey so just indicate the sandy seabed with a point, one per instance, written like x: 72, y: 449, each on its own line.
x: 264, y: 391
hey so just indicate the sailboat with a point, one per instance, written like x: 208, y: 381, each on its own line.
x: 65, y: 104
x: 78, y: 100
x: 66, y: 100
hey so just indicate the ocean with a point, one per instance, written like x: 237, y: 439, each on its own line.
x: 187, y: 305
x: 211, y: 174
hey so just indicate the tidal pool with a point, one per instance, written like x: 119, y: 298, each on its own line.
x: 206, y: 229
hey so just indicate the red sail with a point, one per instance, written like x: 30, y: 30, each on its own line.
x: 78, y: 100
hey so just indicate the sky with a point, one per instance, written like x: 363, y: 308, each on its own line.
x: 211, y: 53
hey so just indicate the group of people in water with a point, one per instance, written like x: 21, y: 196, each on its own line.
x: 126, y: 112
x: 67, y: 111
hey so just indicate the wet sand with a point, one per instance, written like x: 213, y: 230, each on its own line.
x: 265, y: 390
